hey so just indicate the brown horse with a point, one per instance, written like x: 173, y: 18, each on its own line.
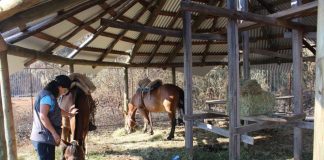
x: 162, y: 98
x: 78, y: 125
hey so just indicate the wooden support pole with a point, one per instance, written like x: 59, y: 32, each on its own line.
x: 6, y: 103
x: 187, y: 60
x: 3, y: 146
x: 174, y: 80
x: 71, y: 68
x: 297, y: 41
x: 233, y: 87
x: 318, y: 145
x: 126, y: 95
x: 246, y: 45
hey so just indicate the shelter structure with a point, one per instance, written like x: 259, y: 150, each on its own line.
x: 191, y: 36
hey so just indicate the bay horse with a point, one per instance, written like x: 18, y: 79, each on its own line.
x: 78, y: 125
x: 159, y: 98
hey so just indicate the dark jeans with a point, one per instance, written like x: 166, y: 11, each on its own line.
x: 44, y: 151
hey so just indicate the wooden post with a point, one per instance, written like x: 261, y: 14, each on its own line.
x: 246, y: 43
x: 71, y: 68
x: 3, y: 147
x: 6, y: 103
x: 126, y: 95
x: 187, y: 43
x: 174, y: 80
x: 233, y: 85
x: 318, y: 145
x: 297, y: 41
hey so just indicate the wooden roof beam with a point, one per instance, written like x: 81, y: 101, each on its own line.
x: 270, y: 19
x: 74, y: 32
x: 121, y: 35
x: 33, y: 54
x: 197, y: 22
x: 159, y: 5
x: 39, y: 11
x: 47, y: 23
x: 309, y: 7
x: 127, y: 5
x: 159, y: 31
x: 160, y: 42
x: 288, y: 13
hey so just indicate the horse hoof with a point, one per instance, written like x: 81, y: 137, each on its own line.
x: 170, y: 138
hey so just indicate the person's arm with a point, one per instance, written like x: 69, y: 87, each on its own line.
x: 44, y: 109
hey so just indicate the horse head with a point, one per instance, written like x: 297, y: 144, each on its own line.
x: 72, y: 151
x: 130, y: 122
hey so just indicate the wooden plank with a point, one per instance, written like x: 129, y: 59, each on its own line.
x: 203, y: 116
x: 258, y: 126
x: 270, y: 53
x: 318, y: 143
x: 158, y: 31
x: 9, y: 124
x: 217, y: 101
x: 224, y: 132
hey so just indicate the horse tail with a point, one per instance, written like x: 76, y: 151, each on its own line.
x: 181, y: 107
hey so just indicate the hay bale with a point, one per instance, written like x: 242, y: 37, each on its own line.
x: 254, y: 100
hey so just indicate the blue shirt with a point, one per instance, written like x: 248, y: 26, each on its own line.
x: 47, y: 100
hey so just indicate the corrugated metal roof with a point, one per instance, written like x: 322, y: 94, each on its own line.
x: 266, y: 37
x: 89, y: 13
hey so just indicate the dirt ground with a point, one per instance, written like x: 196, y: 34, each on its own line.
x: 109, y: 142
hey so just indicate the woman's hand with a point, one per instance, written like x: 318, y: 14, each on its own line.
x: 57, y: 139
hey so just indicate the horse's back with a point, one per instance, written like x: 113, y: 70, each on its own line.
x: 165, y: 98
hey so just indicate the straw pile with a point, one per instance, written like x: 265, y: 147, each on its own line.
x: 254, y: 100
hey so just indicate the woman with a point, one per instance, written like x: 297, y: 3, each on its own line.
x: 47, y: 117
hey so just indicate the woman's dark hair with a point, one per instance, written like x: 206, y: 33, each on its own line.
x: 63, y: 80
x: 53, y: 88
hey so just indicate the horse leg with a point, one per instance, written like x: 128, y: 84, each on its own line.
x: 151, y: 123
x: 145, y: 115
x: 173, y: 123
x: 66, y: 131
